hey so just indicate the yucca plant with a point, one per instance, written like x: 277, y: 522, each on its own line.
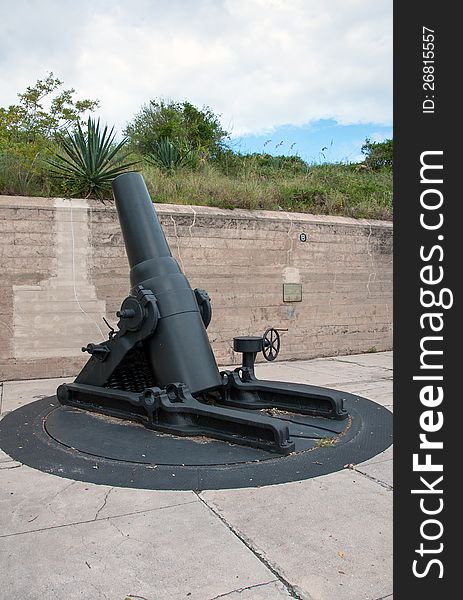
x: 90, y: 160
x: 168, y: 156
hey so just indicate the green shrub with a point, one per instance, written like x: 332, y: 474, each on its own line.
x: 169, y: 157
x: 187, y: 128
x: 89, y: 160
x: 378, y: 154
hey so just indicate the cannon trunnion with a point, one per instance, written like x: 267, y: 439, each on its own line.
x: 158, y: 367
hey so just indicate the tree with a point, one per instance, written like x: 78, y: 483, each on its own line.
x: 378, y: 154
x: 185, y: 126
x: 28, y: 132
x: 42, y: 111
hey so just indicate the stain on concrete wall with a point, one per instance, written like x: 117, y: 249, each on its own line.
x: 242, y: 258
x: 64, y: 303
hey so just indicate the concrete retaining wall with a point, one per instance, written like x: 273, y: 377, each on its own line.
x: 63, y: 267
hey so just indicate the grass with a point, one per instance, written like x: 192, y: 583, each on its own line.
x: 331, y: 189
x: 250, y: 182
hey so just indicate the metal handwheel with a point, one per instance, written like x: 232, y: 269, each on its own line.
x: 270, y: 344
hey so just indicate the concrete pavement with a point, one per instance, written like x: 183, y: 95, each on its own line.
x: 327, y: 538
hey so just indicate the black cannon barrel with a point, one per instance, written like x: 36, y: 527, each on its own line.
x: 143, y: 234
x: 179, y: 350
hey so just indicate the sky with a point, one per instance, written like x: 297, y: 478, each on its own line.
x: 306, y: 77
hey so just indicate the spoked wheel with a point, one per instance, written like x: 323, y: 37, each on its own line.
x: 271, y: 344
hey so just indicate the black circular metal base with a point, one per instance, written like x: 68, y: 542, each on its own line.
x: 90, y: 447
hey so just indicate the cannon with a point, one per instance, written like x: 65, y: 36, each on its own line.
x: 158, y: 367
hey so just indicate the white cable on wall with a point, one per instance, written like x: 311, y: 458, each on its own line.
x: 74, y: 279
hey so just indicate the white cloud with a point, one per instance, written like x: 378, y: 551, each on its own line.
x: 378, y: 136
x: 261, y: 63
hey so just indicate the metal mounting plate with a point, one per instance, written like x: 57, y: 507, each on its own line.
x: 109, y: 451
x: 292, y: 292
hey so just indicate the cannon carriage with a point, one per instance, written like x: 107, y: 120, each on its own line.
x: 158, y: 367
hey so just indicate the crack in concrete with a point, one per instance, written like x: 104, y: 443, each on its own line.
x: 371, y: 276
x: 99, y: 590
x: 58, y: 493
x: 338, y: 386
x: 180, y: 259
x: 105, y: 499
x: 287, y: 585
x: 383, y: 484
x: 351, y: 362
x: 190, y: 227
x: 2, y: 468
x: 127, y: 537
x: 49, y: 503
x: 1, y: 397
x: 119, y: 530
x: 291, y: 240
x: 85, y: 522
x: 379, y: 461
x: 384, y: 597
x: 241, y: 590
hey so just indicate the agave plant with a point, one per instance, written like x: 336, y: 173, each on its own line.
x: 168, y: 156
x: 90, y: 160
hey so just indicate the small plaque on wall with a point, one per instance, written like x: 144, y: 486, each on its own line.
x: 292, y: 292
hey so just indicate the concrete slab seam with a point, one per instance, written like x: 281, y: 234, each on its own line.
x: 129, y: 514
x: 383, y: 484
x: 5, y: 466
x: 291, y: 589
